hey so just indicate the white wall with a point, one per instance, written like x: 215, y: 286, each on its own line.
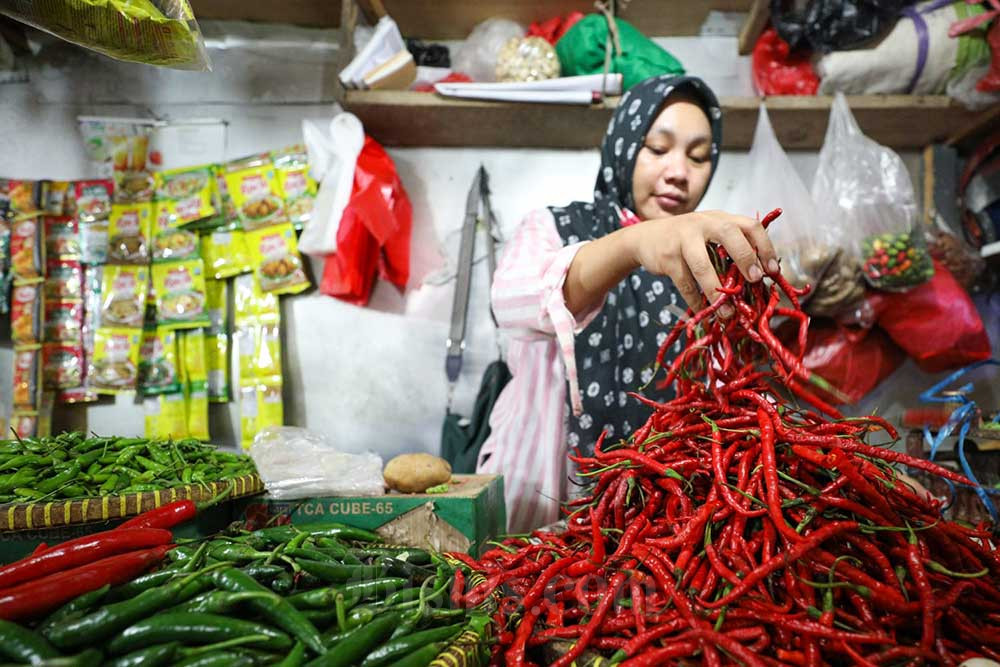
x: 368, y: 377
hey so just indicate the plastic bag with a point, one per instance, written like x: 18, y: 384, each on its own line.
x: 773, y: 182
x: 552, y: 30
x: 936, y: 323
x: 333, y: 154
x: 154, y: 32
x: 828, y: 25
x: 374, y: 233
x: 854, y: 360
x: 865, y: 193
x: 916, y: 57
x: 477, y: 55
x: 779, y: 71
x: 582, y: 51
x: 299, y: 463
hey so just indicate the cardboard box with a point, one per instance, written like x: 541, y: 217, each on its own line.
x: 471, y: 513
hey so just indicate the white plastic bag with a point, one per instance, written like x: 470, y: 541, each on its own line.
x: 772, y: 182
x: 333, y: 155
x: 477, y: 55
x: 866, y: 197
x: 299, y: 463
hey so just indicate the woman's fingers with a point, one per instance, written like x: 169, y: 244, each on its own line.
x: 685, y: 284
x: 696, y: 257
x: 762, y: 242
x: 739, y: 249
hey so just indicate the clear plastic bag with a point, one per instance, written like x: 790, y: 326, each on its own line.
x: 154, y: 32
x: 299, y: 463
x: 772, y: 182
x: 866, y: 197
x: 477, y: 55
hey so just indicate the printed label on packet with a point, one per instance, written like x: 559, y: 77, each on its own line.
x: 115, y: 364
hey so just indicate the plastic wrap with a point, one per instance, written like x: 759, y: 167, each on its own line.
x: 298, y: 463
x: 155, y: 32
x: 477, y: 55
x: 866, y: 194
x: 772, y: 182
x: 828, y: 25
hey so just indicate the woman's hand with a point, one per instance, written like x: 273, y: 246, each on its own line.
x: 676, y: 247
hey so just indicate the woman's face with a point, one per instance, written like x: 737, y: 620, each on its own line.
x: 673, y: 166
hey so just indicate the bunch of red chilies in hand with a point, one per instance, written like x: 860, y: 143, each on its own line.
x: 739, y: 525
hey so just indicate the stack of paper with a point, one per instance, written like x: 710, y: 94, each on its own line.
x: 384, y: 62
x: 585, y: 89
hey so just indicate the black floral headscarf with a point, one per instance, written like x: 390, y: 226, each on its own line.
x: 614, y: 352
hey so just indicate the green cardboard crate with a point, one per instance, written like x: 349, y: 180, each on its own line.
x: 463, y: 519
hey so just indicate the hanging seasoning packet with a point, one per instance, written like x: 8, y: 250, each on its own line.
x: 26, y: 248
x: 270, y: 409
x: 185, y: 195
x: 64, y: 279
x: 255, y: 194
x: 180, y: 294
x: 62, y: 365
x: 225, y: 252
x: 123, y: 296
x: 5, y: 273
x: 158, y: 363
x: 217, y: 340
x: 90, y: 202
x: 62, y: 237
x: 63, y: 321
x: 298, y: 189
x: 115, y: 364
x: 26, y: 376
x: 25, y: 198
x: 26, y: 313
x: 129, y: 229
x: 165, y: 417
x: 277, y: 261
x: 196, y: 387
x: 171, y: 243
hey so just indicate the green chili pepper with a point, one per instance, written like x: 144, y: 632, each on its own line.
x: 218, y: 659
x: 216, y: 602
x: 159, y: 655
x: 21, y: 644
x: 262, y: 572
x: 106, y: 621
x: 30, y: 494
x: 421, y: 657
x: 274, y: 608
x: 336, y: 573
x: 321, y: 598
x: 396, y: 649
x: 74, y: 608
x: 413, y: 556
x: 360, y: 642
x: 295, y: 657
x: 236, y: 553
x: 193, y: 628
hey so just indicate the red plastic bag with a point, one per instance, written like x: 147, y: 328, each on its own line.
x: 374, y: 234
x: 554, y: 28
x: 778, y: 71
x: 853, y: 360
x: 936, y: 323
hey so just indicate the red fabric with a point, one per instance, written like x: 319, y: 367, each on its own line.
x: 454, y: 77
x: 853, y: 360
x: 554, y: 28
x: 374, y: 234
x: 936, y: 323
x: 778, y: 71
x: 990, y: 83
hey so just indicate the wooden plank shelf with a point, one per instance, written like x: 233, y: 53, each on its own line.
x: 403, y: 118
x: 454, y: 19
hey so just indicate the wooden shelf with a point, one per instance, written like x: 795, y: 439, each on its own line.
x: 454, y: 19
x: 402, y: 118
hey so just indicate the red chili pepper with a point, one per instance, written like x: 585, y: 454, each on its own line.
x: 165, y: 516
x: 80, y: 551
x: 34, y: 598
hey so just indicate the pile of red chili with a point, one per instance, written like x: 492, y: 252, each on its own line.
x: 52, y: 576
x: 747, y: 522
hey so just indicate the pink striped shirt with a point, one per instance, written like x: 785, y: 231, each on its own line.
x: 527, y: 442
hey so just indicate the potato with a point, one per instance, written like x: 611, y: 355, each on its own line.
x: 415, y: 473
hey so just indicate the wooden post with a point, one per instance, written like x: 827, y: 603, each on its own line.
x: 760, y: 14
